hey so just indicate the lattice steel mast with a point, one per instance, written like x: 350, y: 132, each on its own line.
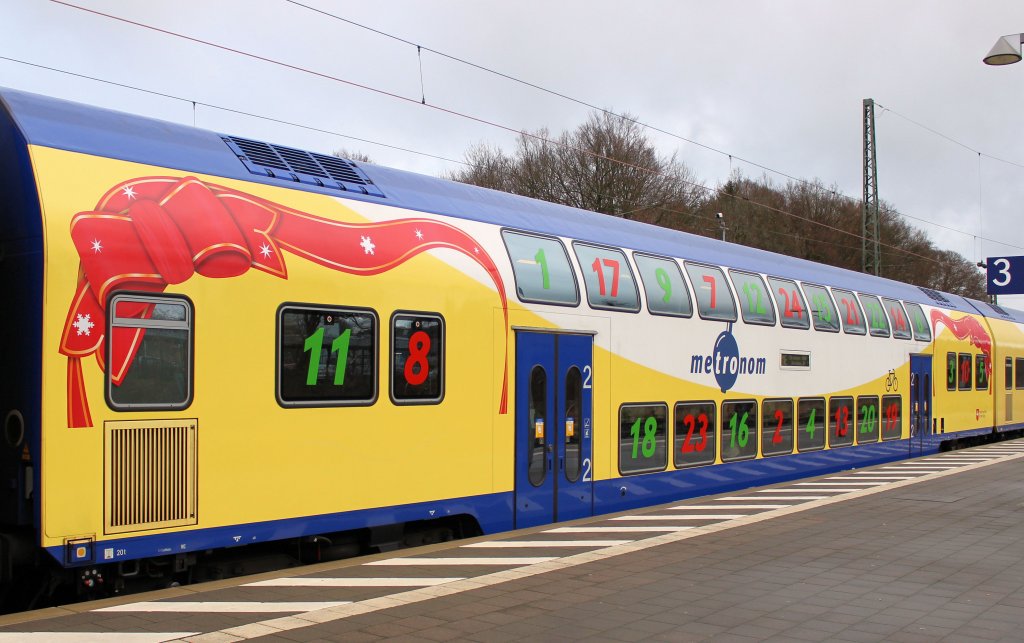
x: 871, y: 253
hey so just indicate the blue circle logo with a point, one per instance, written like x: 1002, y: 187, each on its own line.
x: 726, y: 358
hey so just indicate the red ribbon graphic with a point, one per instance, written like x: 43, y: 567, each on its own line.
x: 967, y: 328
x: 148, y: 233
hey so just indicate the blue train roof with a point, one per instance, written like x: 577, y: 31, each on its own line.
x: 81, y: 128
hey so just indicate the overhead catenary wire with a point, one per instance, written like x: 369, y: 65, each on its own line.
x: 470, y: 117
x: 638, y: 122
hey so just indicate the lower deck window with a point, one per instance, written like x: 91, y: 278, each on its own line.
x: 326, y: 356
x: 643, y: 431
x: 739, y: 430
x: 417, y: 354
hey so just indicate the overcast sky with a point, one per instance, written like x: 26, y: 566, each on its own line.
x: 779, y: 83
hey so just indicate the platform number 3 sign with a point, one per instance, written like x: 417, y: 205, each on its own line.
x: 1000, y: 275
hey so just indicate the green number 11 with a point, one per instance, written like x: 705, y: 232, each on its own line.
x: 315, y: 344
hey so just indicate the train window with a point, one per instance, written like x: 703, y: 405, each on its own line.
x: 965, y: 370
x: 822, y: 309
x: 898, y: 318
x: 777, y: 427
x: 792, y: 308
x: 811, y: 424
x: 1008, y: 378
x: 840, y: 421
x: 541, y: 268
x: 417, y: 358
x: 981, y: 368
x: 643, y: 430
x: 853, y: 318
x: 608, y: 278
x: 922, y: 332
x: 867, y: 419
x: 714, y: 299
x: 739, y: 430
x: 755, y: 304
x: 877, y: 321
x: 573, y: 424
x: 695, y: 437
x: 326, y: 356
x: 1018, y: 375
x: 150, y: 352
x: 892, y: 414
x: 538, y: 412
x: 667, y: 293
x: 950, y: 371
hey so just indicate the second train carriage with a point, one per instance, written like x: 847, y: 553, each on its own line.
x: 211, y: 341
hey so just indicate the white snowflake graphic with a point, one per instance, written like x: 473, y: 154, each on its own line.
x: 129, y: 192
x: 265, y: 250
x: 83, y: 324
x: 419, y: 235
x: 97, y: 247
x: 367, y: 245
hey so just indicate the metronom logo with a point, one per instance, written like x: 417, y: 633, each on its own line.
x: 726, y: 362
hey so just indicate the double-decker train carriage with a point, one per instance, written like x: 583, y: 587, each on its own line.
x: 211, y: 341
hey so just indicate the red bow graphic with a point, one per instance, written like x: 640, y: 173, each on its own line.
x: 148, y: 233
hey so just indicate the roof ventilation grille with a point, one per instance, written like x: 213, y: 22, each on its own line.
x: 999, y: 310
x: 300, y: 166
x: 936, y: 296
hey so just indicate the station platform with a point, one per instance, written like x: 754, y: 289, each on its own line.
x: 919, y: 550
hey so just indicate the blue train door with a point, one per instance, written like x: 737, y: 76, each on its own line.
x: 920, y: 401
x: 553, y: 458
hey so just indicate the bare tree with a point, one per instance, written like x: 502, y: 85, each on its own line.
x: 358, y: 157
x: 607, y: 165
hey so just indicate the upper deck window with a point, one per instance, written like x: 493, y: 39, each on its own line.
x: 667, y: 293
x: 608, y: 278
x: 792, y: 307
x: 918, y: 321
x: 853, y: 317
x: 755, y: 304
x: 542, y: 270
x: 823, y: 311
x: 877, y: 321
x: 714, y: 299
x: 900, y: 322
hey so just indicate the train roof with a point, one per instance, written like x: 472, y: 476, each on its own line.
x: 65, y: 125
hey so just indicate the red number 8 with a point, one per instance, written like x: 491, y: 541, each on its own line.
x: 419, y: 346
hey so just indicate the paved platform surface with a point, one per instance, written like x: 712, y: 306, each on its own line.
x: 922, y: 550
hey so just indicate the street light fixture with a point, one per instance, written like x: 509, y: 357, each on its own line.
x: 1006, y: 50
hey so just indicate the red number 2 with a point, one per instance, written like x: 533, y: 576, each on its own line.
x: 689, y: 421
x: 777, y: 437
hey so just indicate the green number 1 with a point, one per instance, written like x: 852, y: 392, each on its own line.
x: 544, y: 274
x: 340, y: 346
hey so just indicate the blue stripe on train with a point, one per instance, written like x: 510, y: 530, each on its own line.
x: 494, y: 511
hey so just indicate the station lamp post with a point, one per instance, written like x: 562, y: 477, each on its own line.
x: 1006, y: 50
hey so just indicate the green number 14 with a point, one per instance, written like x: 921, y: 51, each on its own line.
x: 315, y: 344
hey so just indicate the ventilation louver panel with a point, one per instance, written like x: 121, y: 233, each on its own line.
x: 149, y: 475
x: 935, y: 295
x: 300, y: 166
x: 1000, y: 310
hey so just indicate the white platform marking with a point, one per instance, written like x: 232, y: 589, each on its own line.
x: 611, y: 529
x: 838, y: 484
x: 405, y: 562
x: 284, y: 624
x: 549, y: 543
x: 786, y: 498
x: 222, y: 606
x: 727, y: 506
x: 94, y: 637
x: 320, y: 581
x: 804, y: 490
x: 681, y: 517
x: 867, y: 476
